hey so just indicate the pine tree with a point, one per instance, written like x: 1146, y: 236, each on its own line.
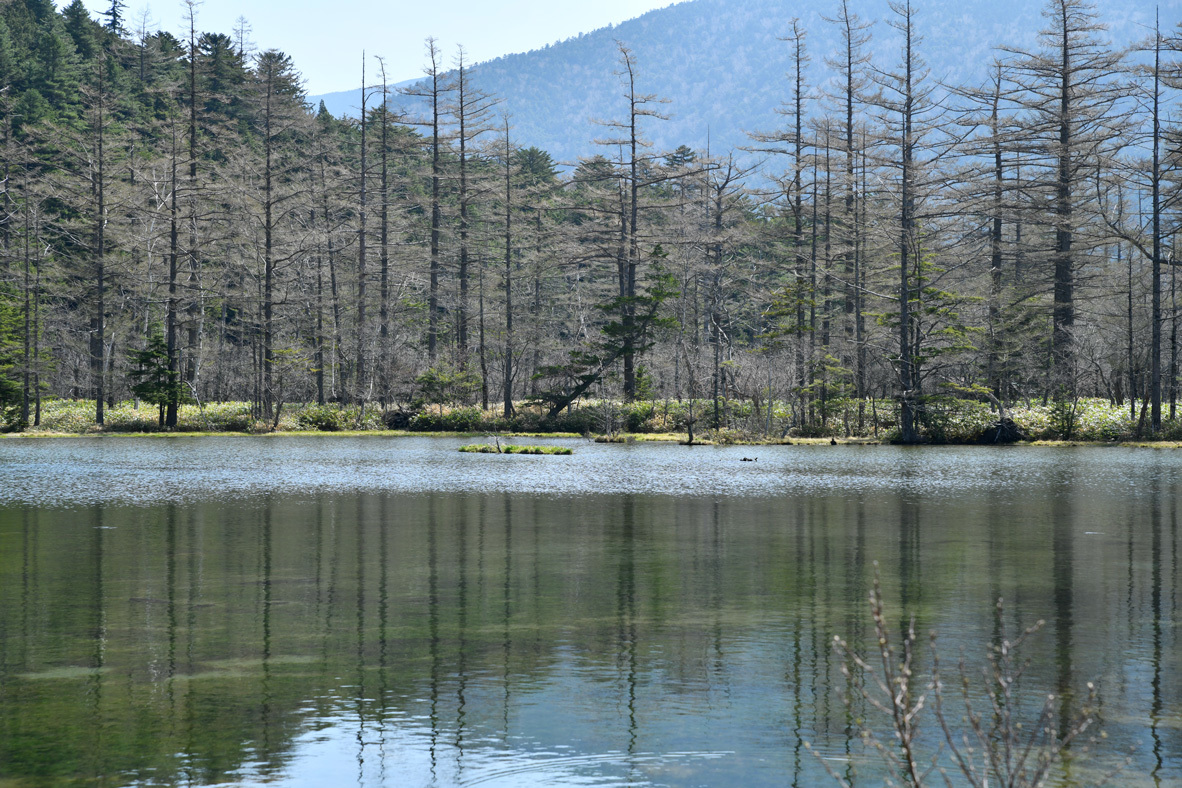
x: 279, y: 125
x: 114, y: 17
x: 156, y: 380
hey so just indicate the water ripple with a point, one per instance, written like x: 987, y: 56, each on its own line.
x: 151, y: 470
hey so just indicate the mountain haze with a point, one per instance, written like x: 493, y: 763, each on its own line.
x: 724, y: 70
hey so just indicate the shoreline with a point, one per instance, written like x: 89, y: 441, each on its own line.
x: 1087, y: 422
x: 618, y: 438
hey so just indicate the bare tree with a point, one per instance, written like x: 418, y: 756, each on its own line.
x: 1145, y: 233
x: 851, y: 65
x: 434, y: 89
x: 793, y: 300
x: 507, y: 382
x: 362, y: 216
x: 194, y: 309
x: 628, y: 137
x: 98, y: 118
x: 383, y: 116
x: 471, y: 112
x: 1069, y: 97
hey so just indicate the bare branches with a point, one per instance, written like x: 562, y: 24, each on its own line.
x: 1014, y: 740
x: 1003, y: 746
x: 889, y: 685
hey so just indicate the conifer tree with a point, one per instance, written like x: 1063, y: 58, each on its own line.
x: 280, y: 118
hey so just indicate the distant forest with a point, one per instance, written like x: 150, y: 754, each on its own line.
x: 178, y: 225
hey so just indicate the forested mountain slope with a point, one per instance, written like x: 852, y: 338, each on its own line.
x: 723, y: 68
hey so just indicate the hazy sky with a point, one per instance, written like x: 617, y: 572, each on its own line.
x: 325, y: 39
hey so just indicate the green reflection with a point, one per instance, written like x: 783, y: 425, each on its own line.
x: 218, y: 641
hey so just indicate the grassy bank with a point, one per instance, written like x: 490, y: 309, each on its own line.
x: 941, y: 421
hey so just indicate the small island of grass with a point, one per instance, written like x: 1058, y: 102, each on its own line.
x: 485, y: 448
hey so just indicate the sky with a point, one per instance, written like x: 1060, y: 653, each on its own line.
x: 326, y: 39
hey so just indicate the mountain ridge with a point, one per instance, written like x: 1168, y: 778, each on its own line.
x: 724, y: 69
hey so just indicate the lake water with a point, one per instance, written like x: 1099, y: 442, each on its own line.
x: 391, y: 612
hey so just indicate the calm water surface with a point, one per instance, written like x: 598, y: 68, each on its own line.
x: 388, y: 611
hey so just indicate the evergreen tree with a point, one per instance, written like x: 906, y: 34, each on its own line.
x: 157, y: 382
x: 114, y: 16
x: 279, y: 123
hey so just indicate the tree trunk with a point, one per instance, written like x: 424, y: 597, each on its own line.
x: 508, y: 360
x: 362, y: 207
x: 99, y: 336
x: 384, y: 253
x: 268, y: 256
x: 1156, y: 318
x: 194, y: 309
x: 170, y: 316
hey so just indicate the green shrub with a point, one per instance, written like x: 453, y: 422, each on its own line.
x: 124, y: 417
x: 833, y: 429
x: 950, y: 420
x: 1100, y: 420
x: 676, y: 415
x: 1034, y: 419
x: 470, y: 419
x: 446, y: 385
x: 64, y: 415
x: 723, y: 436
x: 325, y: 418
x: 941, y: 419
x: 397, y: 419
x: 638, y: 416
x: 1171, y: 429
x: 1084, y: 420
x: 588, y: 419
x: 219, y: 416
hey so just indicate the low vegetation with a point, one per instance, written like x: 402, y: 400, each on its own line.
x: 510, y: 448
x: 949, y: 421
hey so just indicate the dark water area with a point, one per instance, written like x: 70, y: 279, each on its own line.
x: 389, y: 611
